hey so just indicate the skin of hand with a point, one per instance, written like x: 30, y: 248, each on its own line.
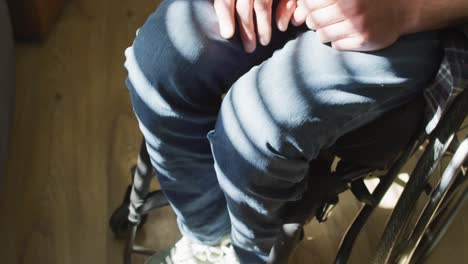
x: 359, y: 25
x: 368, y: 25
x: 245, y: 10
x: 347, y: 24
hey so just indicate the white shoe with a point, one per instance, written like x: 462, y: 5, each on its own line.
x: 186, y: 251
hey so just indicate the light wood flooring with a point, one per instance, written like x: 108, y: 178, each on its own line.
x: 75, y: 138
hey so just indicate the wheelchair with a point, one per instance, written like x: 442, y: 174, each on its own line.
x: 379, y: 149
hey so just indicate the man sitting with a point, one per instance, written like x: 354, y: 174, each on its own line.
x: 231, y: 166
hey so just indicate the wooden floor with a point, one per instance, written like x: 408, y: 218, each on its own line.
x: 75, y: 139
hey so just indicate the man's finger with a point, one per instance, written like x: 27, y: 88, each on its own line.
x: 324, y: 17
x: 300, y: 14
x: 284, y: 12
x: 225, y: 11
x: 244, y: 9
x: 335, y: 32
x: 354, y: 43
x: 313, y: 5
x: 263, y: 14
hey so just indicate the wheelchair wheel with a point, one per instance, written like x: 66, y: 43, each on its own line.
x: 402, y: 236
x: 119, y: 223
x: 416, y: 240
x: 442, y: 220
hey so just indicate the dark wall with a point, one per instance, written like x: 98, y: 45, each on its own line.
x: 7, y: 86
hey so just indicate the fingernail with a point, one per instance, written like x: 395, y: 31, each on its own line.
x: 310, y: 24
x: 249, y: 47
x: 225, y: 32
x: 280, y: 23
x: 264, y: 41
x: 294, y: 18
x: 281, y: 26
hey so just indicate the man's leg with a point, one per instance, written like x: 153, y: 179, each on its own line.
x: 277, y: 117
x: 179, y: 66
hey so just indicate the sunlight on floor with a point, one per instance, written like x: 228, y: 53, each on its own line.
x: 393, y: 194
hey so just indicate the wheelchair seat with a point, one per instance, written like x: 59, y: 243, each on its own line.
x: 363, y: 151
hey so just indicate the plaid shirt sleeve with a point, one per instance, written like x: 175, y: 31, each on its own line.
x: 451, y: 79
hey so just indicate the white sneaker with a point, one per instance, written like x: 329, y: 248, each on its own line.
x: 186, y: 251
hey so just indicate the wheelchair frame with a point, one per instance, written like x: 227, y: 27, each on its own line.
x: 396, y: 244
x: 439, y: 142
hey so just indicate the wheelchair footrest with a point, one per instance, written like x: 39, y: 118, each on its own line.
x: 323, y: 212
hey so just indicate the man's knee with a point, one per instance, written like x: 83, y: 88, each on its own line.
x: 250, y: 136
x: 176, y: 50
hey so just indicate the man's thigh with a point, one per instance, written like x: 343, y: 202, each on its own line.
x: 311, y: 93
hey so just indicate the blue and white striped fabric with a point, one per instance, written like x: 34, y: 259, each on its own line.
x: 452, y: 77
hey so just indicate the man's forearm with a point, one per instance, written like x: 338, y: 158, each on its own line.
x: 423, y: 15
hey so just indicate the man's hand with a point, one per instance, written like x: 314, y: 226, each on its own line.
x: 245, y: 10
x: 360, y: 25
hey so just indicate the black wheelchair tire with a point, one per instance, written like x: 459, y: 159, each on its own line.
x: 119, y: 223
